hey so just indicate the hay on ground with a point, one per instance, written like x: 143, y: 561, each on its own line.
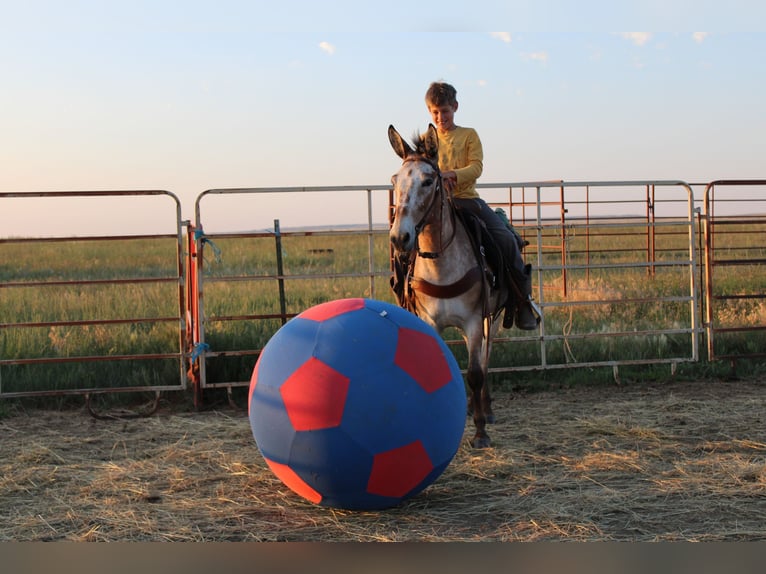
x: 677, y: 461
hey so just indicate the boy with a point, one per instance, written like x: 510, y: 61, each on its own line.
x: 461, y: 162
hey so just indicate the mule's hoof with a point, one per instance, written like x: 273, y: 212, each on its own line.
x: 481, y: 442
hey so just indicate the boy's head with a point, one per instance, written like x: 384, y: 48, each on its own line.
x: 441, y: 100
x: 441, y: 94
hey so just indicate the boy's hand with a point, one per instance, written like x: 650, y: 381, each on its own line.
x: 449, y: 179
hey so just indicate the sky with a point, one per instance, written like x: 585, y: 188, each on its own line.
x: 186, y: 96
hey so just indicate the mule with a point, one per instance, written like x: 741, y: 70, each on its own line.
x: 438, y: 275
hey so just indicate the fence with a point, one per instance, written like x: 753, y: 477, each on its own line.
x: 624, y: 271
x: 67, y: 326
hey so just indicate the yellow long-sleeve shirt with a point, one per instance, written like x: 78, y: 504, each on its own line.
x: 460, y: 151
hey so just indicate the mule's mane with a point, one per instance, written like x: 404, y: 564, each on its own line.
x: 420, y: 150
x: 419, y: 144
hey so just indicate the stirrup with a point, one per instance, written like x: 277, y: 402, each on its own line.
x: 535, y: 309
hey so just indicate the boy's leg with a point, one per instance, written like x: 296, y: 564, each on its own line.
x: 526, y: 316
x: 520, y: 241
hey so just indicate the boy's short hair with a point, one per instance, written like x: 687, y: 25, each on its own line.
x: 441, y: 94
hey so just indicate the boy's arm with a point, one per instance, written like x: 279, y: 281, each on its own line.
x: 475, y: 156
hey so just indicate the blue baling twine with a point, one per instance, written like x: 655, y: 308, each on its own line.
x: 199, y: 235
x: 199, y: 348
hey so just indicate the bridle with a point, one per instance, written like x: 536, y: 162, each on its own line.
x: 438, y: 196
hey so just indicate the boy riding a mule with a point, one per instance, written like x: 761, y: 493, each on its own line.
x: 461, y: 163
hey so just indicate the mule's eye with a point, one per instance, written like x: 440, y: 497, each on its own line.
x: 427, y: 182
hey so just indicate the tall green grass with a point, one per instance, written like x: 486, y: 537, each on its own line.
x: 45, y: 263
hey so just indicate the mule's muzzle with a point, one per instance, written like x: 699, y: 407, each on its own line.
x: 403, y: 242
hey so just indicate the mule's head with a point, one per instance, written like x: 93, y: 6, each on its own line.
x: 415, y: 185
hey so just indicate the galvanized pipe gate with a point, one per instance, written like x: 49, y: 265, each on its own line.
x: 735, y: 246
x: 63, y: 330
x: 579, y: 232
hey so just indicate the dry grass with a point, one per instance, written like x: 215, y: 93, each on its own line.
x: 635, y: 463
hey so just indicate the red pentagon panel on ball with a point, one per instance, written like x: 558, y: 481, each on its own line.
x: 289, y: 477
x: 314, y: 396
x: 331, y: 309
x: 396, y: 472
x: 421, y: 357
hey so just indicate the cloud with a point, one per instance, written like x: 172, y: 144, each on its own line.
x: 536, y: 56
x: 482, y: 83
x: 327, y: 47
x: 699, y: 37
x: 638, y: 38
x: 502, y: 36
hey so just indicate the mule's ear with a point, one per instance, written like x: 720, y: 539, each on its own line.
x: 400, y: 146
x: 432, y: 143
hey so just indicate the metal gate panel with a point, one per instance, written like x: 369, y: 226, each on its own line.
x: 735, y: 269
x: 91, y: 314
x: 602, y: 250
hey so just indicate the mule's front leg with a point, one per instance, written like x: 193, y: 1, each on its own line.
x: 486, y: 401
x: 475, y: 377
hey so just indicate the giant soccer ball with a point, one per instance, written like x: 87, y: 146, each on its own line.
x: 357, y: 404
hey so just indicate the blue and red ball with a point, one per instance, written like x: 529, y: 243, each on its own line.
x: 357, y: 404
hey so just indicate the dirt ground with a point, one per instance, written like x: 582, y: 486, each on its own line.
x: 636, y: 462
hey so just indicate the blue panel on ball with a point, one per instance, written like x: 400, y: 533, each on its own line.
x: 384, y: 409
x: 400, y: 317
x: 270, y: 424
x: 354, y: 342
x: 445, y: 420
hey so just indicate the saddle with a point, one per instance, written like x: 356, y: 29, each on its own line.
x: 488, y: 254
